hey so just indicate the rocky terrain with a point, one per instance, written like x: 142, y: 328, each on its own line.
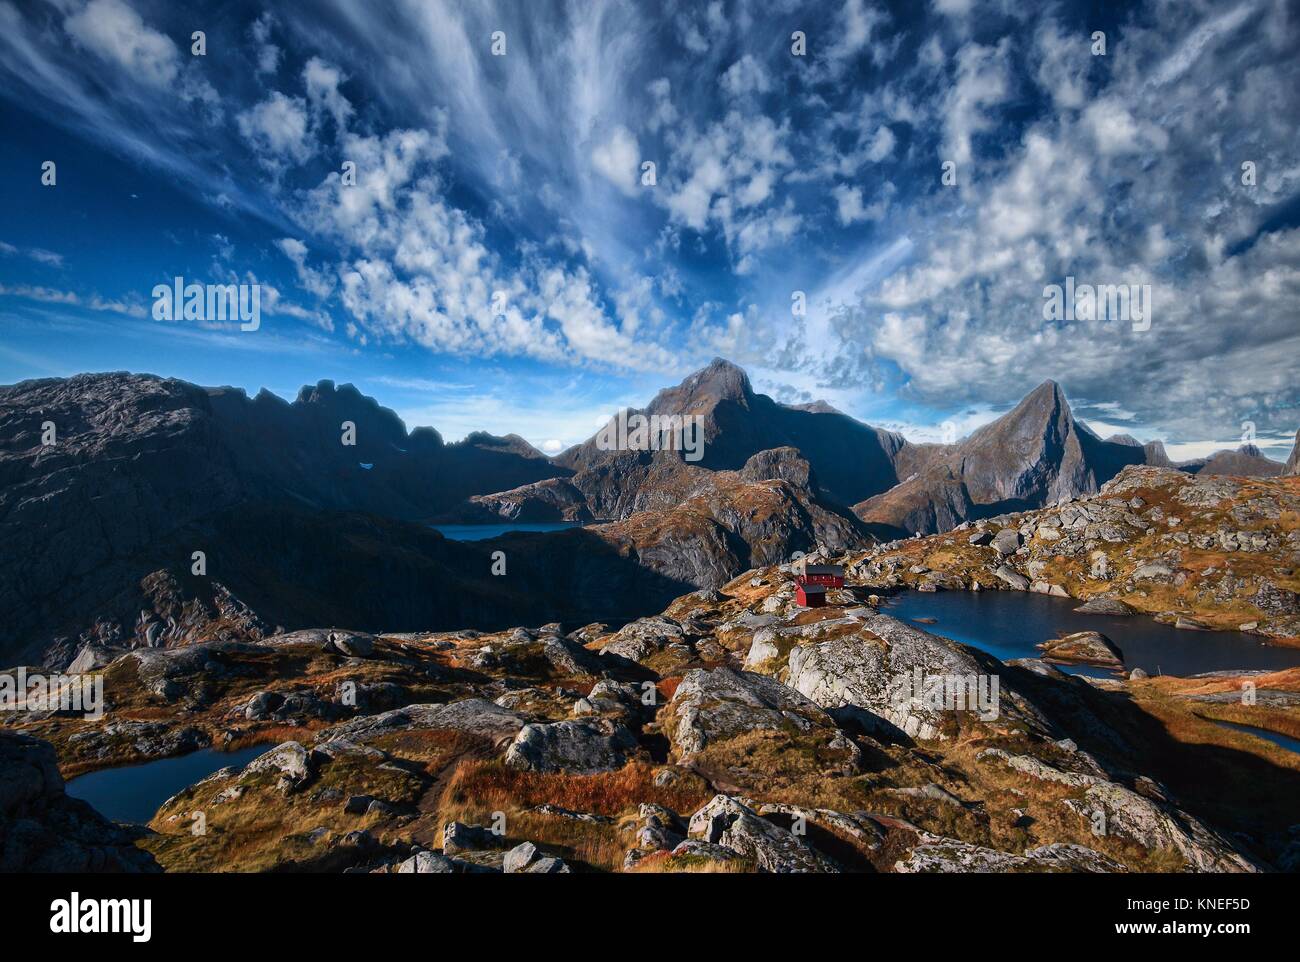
x: 43, y: 830
x: 739, y: 732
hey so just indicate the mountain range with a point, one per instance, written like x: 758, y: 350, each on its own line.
x: 161, y: 512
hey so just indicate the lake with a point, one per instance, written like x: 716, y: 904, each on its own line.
x: 1277, y: 738
x: 1009, y: 624
x: 133, y: 793
x: 481, y: 532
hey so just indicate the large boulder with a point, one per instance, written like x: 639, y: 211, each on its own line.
x: 1006, y: 541
x: 644, y: 638
x: 580, y: 747
x: 1083, y: 648
x: 290, y: 762
x: 1112, y: 607
x: 473, y: 716
x: 42, y: 829
x: 947, y: 856
x: 712, y: 707
x: 879, y: 668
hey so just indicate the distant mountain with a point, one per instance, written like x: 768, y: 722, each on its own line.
x: 1246, y: 461
x: 1293, y: 462
x: 1156, y: 456
x: 1034, y: 455
x: 851, y: 460
x: 297, y: 449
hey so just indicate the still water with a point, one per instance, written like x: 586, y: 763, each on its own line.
x: 1008, y: 624
x: 133, y: 793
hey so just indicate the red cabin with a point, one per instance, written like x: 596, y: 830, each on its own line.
x: 810, y: 594
x: 829, y: 576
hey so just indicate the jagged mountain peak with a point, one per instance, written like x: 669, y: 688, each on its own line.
x: 1047, y: 399
x: 1293, y: 462
x: 721, y: 380
x: 1043, y: 415
x: 1156, y: 454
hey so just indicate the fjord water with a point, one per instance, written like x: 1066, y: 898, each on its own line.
x: 481, y: 532
x: 133, y: 793
x: 1009, y: 624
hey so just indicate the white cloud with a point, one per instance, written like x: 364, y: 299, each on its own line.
x: 38, y: 254
x: 746, y: 76
x: 322, y: 81
x: 315, y: 282
x: 618, y: 160
x: 114, y: 32
x: 268, y: 54
x: 982, y: 81
x: 278, y: 128
x: 94, y: 302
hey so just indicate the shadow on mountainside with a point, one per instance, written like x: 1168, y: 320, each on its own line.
x: 298, y: 568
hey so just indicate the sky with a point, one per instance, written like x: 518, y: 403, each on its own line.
x: 559, y: 208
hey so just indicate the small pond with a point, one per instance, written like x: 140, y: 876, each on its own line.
x: 133, y: 793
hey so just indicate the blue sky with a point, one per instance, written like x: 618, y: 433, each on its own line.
x: 774, y: 174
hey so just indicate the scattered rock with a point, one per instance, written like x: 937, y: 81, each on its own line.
x: 1106, y: 606
x: 726, y: 822
x: 1083, y: 648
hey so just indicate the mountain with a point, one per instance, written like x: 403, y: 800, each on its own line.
x: 318, y: 511
x: 102, y: 525
x: 1035, y: 454
x: 851, y: 460
x: 1293, y: 462
x: 1153, y: 451
x: 1245, y: 462
x: 296, y: 528
x: 1156, y: 456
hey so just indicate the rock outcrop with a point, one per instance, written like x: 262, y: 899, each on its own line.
x: 42, y: 829
x: 1083, y: 648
